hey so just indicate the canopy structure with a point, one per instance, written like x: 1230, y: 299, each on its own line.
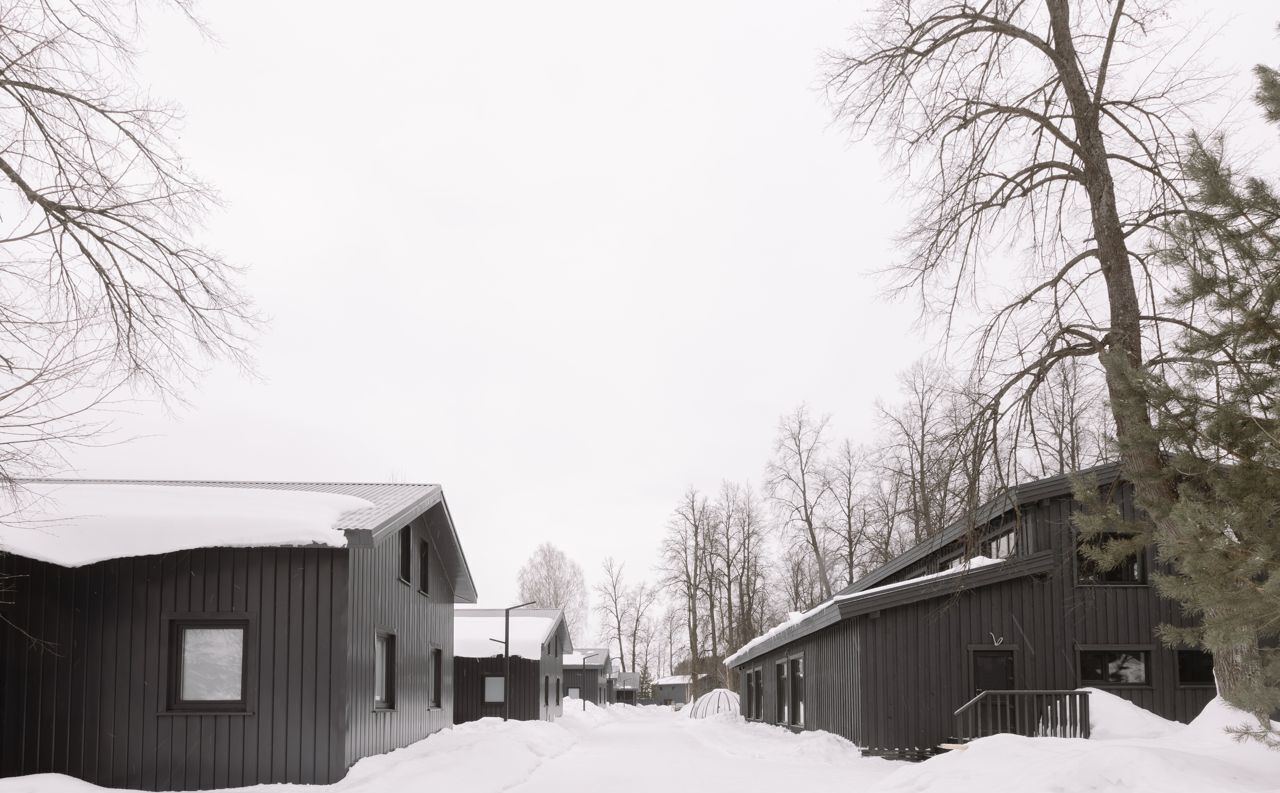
x: 720, y: 700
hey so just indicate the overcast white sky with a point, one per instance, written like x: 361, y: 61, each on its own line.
x: 565, y: 259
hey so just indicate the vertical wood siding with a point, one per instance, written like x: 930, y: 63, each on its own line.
x: 468, y: 689
x: 591, y: 684
x: 891, y: 680
x: 88, y: 698
x: 380, y: 601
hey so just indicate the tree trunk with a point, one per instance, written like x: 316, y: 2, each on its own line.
x: 1122, y: 360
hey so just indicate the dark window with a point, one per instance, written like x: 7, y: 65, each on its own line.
x: 782, y: 700
x: 406, y: 555
x: 1114, y: 667
x: 546, y: 690
x: 384, y: 671
x: 1195, y: 668
x: 797, y: 691
x: 751, y: 695
x: 494, y: 691
x: 1130, y: 570
x: 759, y: 707
x: 558, y: 697
x: 424, y: 567
x: 437, y: 675
x: 209, y: 665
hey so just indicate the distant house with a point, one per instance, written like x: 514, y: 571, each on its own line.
x: 671, y: 690
x: 194, y: 635
x: 626, y: 688
x: 1004, y: 607
x: 539, y: 640
x: 586, y: 674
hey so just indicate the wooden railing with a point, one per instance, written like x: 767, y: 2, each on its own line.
x: 1029, y: 712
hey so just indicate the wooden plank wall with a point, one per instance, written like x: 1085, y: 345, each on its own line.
x: 87, y: 699
x: 380, y: 601
x: 592, y: 684
x: 468, y: 689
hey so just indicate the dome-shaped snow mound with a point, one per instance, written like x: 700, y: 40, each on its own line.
x: 721, y: 700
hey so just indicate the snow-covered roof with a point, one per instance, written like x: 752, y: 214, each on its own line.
x: 531, y: 629
x: 594, y: 656
x: 675, y: 680
x: 75, y: 522
x: 798, y: 618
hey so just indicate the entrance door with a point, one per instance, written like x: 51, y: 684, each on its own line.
x: 993, y: 670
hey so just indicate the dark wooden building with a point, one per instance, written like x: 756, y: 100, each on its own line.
x: 328, y: 638
x: 586, y: 674
x: 539, y: 638
x: 671, y: 690
x: 1007, y: 606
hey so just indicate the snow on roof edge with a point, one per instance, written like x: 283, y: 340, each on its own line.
x: 797, y: 617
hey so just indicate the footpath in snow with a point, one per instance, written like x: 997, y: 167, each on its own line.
x: 626, y: 749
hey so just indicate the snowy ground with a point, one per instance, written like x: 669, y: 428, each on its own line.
x: 627, y: 750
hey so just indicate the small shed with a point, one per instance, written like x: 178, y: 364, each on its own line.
x: 539, y: 640
x: 193, y: 635
x: 586, y: 673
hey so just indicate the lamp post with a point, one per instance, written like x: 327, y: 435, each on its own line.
x: 506, y: 657
x: 583, y: 692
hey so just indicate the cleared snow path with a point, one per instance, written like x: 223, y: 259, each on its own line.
x: 629, y: 750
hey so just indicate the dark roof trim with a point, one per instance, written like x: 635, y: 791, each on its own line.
x: 900, y: 595
x: 1008, y: 501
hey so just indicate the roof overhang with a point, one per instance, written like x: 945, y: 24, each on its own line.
x: 857, y: 604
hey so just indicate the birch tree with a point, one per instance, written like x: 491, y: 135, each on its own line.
x: 795, y: 484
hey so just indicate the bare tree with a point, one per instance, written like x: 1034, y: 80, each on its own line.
x: 641, y: 599
x: 611, y: 595
x: 1050, y: 125
x: 795, y: 485
x: 853, y: 524
x: 553, y: 580
x: 104, y: 285
x: 684, y: 558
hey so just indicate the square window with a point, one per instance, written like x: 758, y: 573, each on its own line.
x: 1114, y: 667
x: 1130, y: 570
x: 384, y: 671
x: 209, y: 664
x: 1195, y: 668
x: 1003, y: 545
x: 494, y: 690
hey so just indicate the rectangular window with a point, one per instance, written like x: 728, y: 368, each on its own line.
x: 758, y: 674
x: 424, y: 567
x: 558, y: 697
x: 406, y: 554
x: 783, y: 699
x: 797, y: 691
x: 1195, y: 668
x: 437, y: 676
x: 749, y: 705
x: 1131, y: 570
x: 1114, y: 667
x: 209, y: 664
x: 575, y: 693
x: 384, y: 671
x: 952, y: 563
x: 1003, y: 545
x: 546, y: 690
x: 494, y: 690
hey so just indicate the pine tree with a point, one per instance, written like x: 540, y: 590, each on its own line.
x: 1217, y: 418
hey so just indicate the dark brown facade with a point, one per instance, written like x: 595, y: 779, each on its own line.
x: 591, y: 680
x: 87, y: 660
x: 887, y: 668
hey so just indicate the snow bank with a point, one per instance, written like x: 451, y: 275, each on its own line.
x: 1131, y: 751
x: 797, y: 617
x: 76, y: 524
